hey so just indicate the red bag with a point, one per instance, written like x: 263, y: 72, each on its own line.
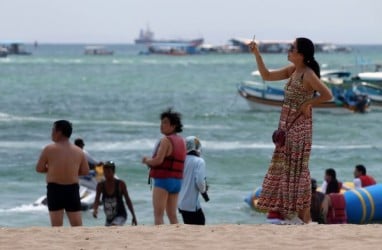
x: 279, y: 135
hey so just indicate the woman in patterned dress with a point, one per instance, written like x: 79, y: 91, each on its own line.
x: 286, y: 188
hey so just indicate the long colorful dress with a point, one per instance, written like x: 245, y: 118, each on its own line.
x: 287, y: 186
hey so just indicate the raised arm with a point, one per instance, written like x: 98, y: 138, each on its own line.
x: 266, y: 74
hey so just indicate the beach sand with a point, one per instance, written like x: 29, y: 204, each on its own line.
x: 195, y: 237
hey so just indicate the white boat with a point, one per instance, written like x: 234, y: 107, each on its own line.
x: 261, y: 96
x: 335, y: 76
x: 97, y: 50
x: 370, y: 76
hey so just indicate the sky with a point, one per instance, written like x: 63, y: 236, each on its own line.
x: 217, y: 21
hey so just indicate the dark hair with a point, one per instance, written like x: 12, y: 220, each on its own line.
x: 333, y: 186
x: 174, y: 118
x: 314, y: 184
x: 79, y: 142
x: 306, y: 48
x: 361, y: 168
x: 64, y: 126
x: 109, y: 164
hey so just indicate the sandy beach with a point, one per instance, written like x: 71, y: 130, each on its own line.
x: 195, y: 237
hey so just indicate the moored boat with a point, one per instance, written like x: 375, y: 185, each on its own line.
x: 261, y: 96
x: 97, y: 50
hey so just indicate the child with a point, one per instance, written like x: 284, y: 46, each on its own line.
x: 112, y: 191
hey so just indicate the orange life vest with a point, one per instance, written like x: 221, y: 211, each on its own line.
x: 337, y: 210
x: 172, y: 165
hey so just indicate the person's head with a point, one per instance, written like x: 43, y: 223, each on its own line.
x: 79, y: 142
x: 314, y: 184
x: 193, y: 145
x: 170, y: 122
x: 359, y: 170
x: 61, y: 129
x: 303, y: 49
x: 108, y: 170
x: 330, y: 175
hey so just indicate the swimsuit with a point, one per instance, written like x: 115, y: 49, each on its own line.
x: 61, y: 196
x: 171, y: 185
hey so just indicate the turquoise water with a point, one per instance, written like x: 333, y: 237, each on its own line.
x: 114, y: 103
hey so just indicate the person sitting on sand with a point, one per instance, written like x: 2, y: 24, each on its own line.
x: 316, y: 203
x: 361, y: 179
x: 113, y: 190
x: 331, y: 184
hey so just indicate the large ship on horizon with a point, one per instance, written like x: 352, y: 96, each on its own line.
x: 147, y: 37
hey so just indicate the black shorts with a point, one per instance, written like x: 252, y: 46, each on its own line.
x: 193, y: 218
x: 63, y: 197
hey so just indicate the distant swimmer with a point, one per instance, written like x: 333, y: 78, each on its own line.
x: 63, y: 163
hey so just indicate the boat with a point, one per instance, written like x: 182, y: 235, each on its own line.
x: 344, y: 79
x: 97, y: 50
x: 14, y: 48
x: 370, y: 76
x: 147, y: 37
x: 261, y: 96
x: 3, y: 52
x: 172, y: 48
x: 373, y: 91
x: 336, y: 76
x: 363, y: 205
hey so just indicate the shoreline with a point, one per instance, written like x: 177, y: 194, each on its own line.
x: 180, y: 236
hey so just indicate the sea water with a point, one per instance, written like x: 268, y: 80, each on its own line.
x: 115, y: 101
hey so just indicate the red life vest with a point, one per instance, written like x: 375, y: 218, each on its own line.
x: 172, y: 165
x: 367, y: 180
x: 337, y: 210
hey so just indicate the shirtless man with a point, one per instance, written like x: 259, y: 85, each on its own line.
x: 63, y: 162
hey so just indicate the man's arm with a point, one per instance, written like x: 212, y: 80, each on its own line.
x: 41, y: 166
x: 84, y: 166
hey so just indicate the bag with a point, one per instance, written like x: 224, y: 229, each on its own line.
x: 279, y: 135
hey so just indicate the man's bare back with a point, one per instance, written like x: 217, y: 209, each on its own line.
x: 63, y: 162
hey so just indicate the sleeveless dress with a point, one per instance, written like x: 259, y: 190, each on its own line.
x: 287, y: 186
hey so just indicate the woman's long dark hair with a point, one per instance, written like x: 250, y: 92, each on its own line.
x: 333, y: 186
x: 306, y: 48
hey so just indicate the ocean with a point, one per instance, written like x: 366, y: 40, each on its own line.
x: 115, y: 101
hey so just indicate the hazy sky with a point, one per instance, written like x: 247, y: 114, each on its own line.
x: 119, y: 21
